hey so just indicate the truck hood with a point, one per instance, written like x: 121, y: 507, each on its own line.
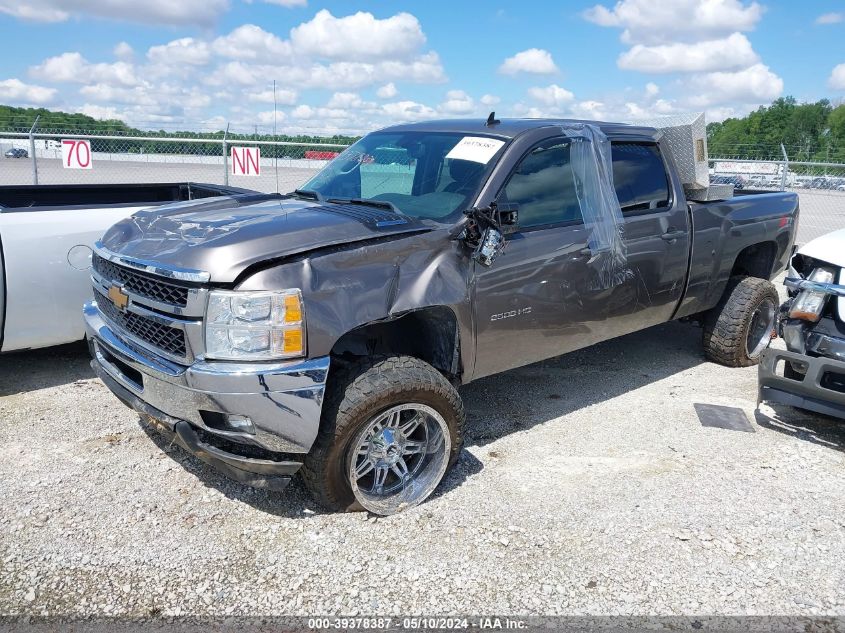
x: 224, y: 236
x: 828, y: 248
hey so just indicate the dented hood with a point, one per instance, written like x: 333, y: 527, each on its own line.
x: 224, y: 236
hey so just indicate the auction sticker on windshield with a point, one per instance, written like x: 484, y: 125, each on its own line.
x: 476, y: 148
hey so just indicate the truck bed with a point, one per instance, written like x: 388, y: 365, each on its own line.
x: 56, y: 196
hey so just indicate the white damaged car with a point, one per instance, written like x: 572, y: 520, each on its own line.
x: 810, y: 373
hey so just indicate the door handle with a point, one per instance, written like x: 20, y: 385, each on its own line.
x: 585, y: 254
x: 671, y: 236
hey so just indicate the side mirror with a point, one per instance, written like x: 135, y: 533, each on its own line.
x: 485, y: 233
x: 508, y: 217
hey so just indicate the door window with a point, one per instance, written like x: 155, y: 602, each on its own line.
x: 543, y: 187
x: 639, y: 176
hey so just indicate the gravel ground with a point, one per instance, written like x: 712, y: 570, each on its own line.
x: 588, y: 486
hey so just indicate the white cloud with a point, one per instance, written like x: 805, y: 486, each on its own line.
x: 267, y: 117
x: 837, y: 78
x: 756, y: 84
x: 589, y: 109
x: 16, y: 91
x: 830, y: 18
x: 408, y: 111
x: 303, y: 112
x: 732, y: 52
x: 186, y: 50
x: 73, y: 67
x: 106, y: 93
x: 552, y: 95
x: 251, y: 42
x: 701, y: 39
x: 490, y: 100
x: 533, y: 60
x: 457, y: 102
x: 169, y: 12
x: 349, y: 100
x: 102, y: 112
x: 124, y: 52
x: 283, y: 96
x: 650, y: 22
x: 387, y: 91
x: 359, y: 36
x: 288, y: 3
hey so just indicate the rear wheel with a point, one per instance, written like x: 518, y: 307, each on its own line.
x: 740, y: 327
x: 391, y: 428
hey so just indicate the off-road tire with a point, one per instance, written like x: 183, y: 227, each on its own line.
x: 726, y: 325
x: 354, y: 395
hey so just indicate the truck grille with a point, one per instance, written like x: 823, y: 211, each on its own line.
x: 142, y: 284
x: 168, y: 339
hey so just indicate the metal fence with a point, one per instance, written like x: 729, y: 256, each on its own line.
x: 39, y: 158
x: 284, y: 166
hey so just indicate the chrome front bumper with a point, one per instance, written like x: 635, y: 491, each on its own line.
x: 282, y: 400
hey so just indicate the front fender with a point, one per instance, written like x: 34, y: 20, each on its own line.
x: 346, y: 288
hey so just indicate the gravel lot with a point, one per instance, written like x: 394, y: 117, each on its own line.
x: 588, y: 486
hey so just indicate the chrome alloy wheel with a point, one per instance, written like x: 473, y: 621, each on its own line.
x: 760, y: 328
x: 398, y: 458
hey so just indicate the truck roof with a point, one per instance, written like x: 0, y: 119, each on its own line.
x: 509, y: 128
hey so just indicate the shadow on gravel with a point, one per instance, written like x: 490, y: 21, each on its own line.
x: 804, y: 425
x: 295, y: 501
x: 496, y: 406
x: 42, y: 368
x: 524, y: 397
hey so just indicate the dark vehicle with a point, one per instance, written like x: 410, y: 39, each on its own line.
x: 810, y: 374
x: 738, y: 182
x: 827, y: 182
x: 16, y: 152
x: 325, y: 331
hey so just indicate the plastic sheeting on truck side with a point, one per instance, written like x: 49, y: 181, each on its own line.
x: 592, y: 169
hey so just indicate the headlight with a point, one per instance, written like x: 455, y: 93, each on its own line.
x: 809, y: 304
x: 254, y: 325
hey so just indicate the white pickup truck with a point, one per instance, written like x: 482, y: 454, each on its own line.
x: 46, y: 235
x: 810, y: 373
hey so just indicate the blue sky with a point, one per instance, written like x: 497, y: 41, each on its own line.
x: 350, y: 67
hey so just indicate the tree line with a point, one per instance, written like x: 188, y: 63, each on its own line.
x: 808, y: 132
x: 14, y: 119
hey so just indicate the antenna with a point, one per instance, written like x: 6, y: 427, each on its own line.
x: 492, y: 120
x: 275, y: 138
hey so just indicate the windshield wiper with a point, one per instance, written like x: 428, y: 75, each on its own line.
x: 380, y: 204
x: 307, y: 193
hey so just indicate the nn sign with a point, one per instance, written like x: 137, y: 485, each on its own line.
x: 246, y: 161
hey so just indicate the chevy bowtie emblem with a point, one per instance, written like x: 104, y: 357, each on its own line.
x: 118, y: 297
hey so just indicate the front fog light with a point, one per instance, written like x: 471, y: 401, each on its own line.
x: 254, y: 325
x: 241, y: 423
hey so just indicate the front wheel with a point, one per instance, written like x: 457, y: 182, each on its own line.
x: 391, y: 428
x: 740, y: 327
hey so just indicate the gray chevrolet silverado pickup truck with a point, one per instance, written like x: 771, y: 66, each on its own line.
x: 326, y: 331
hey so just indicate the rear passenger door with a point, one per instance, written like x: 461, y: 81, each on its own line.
x: 657, y: 234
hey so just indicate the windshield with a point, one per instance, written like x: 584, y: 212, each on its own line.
x: 423, y: 174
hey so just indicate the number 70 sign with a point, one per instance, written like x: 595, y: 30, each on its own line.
x: 76, y: 154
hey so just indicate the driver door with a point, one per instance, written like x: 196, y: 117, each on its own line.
x: 531, y: 303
